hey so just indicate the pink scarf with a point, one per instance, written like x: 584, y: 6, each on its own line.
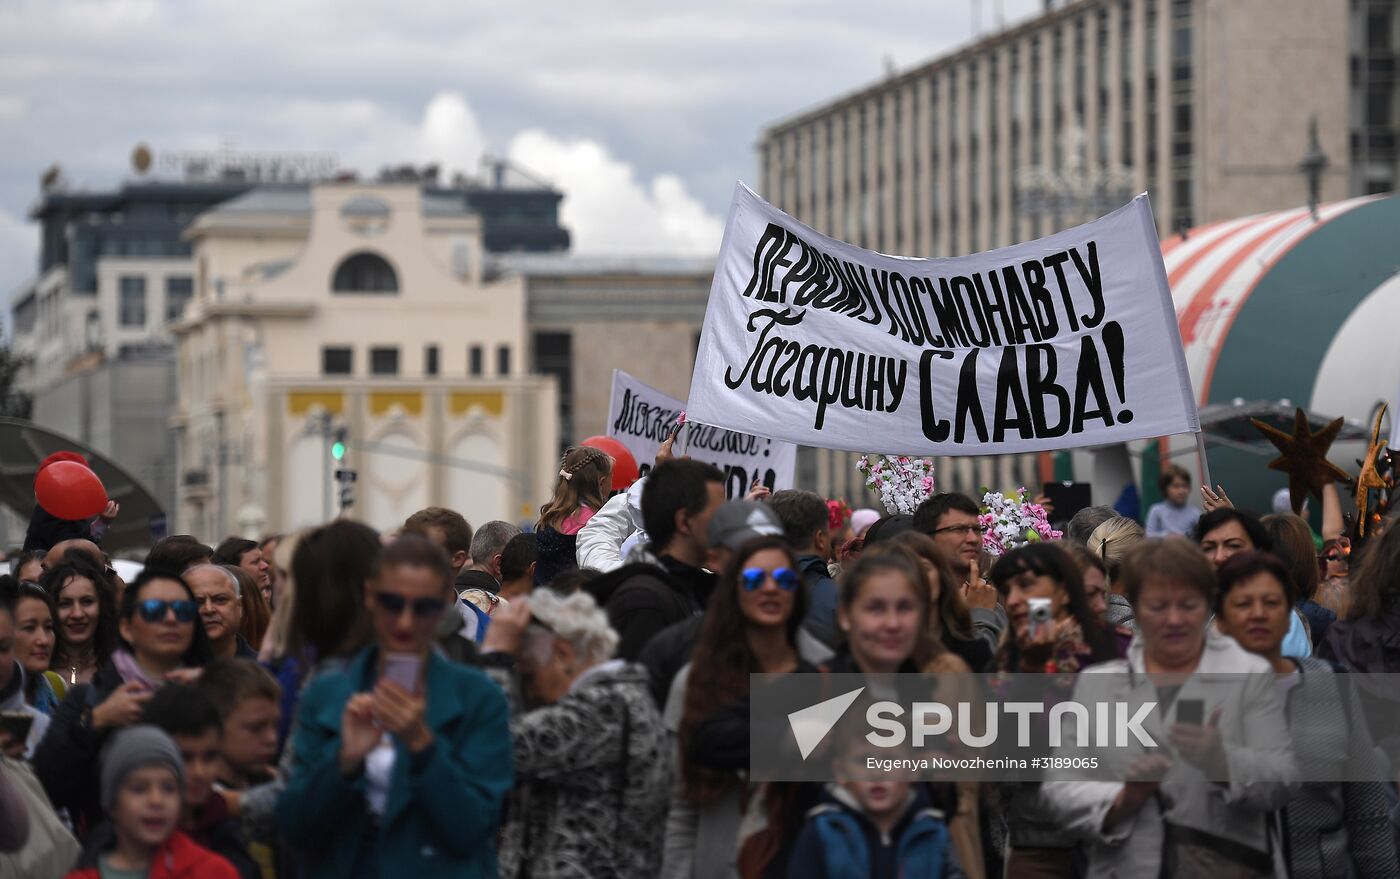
x: 131, y: 670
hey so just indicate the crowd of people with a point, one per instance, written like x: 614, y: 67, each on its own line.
x: 573, y: 700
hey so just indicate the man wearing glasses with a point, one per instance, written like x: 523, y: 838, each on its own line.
x: 952, y: 520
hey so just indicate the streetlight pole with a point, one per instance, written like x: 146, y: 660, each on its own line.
x: 326, y: 467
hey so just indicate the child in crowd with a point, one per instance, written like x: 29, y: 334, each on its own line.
x: 189, y: 717
x: 1173, y: 514
x: 143, y: 788
x: 247, y: 700
x: 585, y: 481
x: 872, y: 827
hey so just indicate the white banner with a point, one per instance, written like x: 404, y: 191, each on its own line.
x: 641, y: 417
x: 1057, y: 343
x: 1394, y: 414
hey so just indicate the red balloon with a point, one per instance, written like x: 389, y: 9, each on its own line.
x: 624, y: 471
x: 68, y: 490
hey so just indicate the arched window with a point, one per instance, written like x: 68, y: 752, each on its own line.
x: 365, y: 273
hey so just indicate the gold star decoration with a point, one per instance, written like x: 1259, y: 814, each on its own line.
x: 1370, y: 477
x: 1303, y: 456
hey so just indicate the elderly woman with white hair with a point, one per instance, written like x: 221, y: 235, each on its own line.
x: 592, y: 770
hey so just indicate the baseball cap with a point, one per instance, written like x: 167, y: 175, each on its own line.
x: 737, y: 522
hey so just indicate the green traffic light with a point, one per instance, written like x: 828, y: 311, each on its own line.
x: 338, y: 451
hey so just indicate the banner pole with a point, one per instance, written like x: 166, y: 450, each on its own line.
x: 1205, y: 464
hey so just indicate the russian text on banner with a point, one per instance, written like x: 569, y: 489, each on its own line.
x: 641, y: 417
x: 1061, y: 342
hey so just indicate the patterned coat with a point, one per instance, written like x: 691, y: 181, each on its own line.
x: 1337, y: 829
x: 581, y: 808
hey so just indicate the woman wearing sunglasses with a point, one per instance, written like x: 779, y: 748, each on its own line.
x: 400, y: 762
x: 159, y: 621
x: 750, y: 627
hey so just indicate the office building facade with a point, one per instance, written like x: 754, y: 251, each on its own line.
x: 1208, y: 105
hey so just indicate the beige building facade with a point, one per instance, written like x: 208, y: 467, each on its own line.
x: 363, y: 309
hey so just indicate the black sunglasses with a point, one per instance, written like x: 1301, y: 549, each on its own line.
x: 153, y: 610
x: 422, y: 607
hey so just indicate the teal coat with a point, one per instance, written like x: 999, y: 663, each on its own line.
x: 444, y: 805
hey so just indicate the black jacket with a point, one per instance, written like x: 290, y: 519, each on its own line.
x: 721, y: 741
x: 667, y: 653
x: 66, y: 761
x: 45, y: 530
x: 644, y: 598
x: 670, y: 649
x: 470, y: 579
x: 555, y: 553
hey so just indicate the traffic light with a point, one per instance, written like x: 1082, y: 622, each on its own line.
x: 346, y: 478
x: 338, y: 446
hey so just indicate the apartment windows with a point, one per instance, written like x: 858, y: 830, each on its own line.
x: 337, y: 360
x: 830, y: 179
x: 1057, y: 108
x: 954, y: 178
x: 384, y: 361
x: 1033, y: 83
x: 430, y: 360
x: 132, y: 302
x: 915, y: 169
x: 880, y: 173
x: 935, y: 119
x: 503, y: 360
x: 1182, y: 145
x: 475, y: 361
x: 1080, y: 70
x: 554, y: 356
x: 179, y: 289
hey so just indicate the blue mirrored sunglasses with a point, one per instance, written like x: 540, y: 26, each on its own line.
x: 753, y: 578
x: 153, y: 610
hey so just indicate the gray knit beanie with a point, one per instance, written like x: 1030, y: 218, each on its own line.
x: 134, y: 748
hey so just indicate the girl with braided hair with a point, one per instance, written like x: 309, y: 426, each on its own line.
x: 585, y: 476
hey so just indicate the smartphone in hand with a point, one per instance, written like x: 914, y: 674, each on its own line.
x: 16, y: 724
x: 402, y: 669
x: 1192, y: 711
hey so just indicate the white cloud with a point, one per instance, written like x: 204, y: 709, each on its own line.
x: 608, y: 209
x: 659, y: 90
x: 450, y: 134
x: 19, y: 249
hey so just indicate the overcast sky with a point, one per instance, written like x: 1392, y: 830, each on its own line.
x: 643, y: 113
